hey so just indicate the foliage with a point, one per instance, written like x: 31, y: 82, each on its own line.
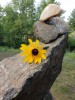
x: 7, y: 49
x: 72, y: 21
x: 16, y: 21
x: 1, y: 27
x: 71, y: 41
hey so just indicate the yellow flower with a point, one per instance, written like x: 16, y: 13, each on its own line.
x: 33, y: 52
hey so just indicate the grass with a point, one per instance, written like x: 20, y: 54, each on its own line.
x: 64, y: 86
x: 7, y: 52
x: 7, y: 49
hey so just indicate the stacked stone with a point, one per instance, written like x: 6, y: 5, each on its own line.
x: 50, y: 24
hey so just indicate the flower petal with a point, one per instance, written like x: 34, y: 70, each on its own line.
x: 43, y: 56
x: 25, y: 53
x: 37, y: 43
x: 43, y: 51
x: 31, y: 44
x: 39, y: 60
x: 35, y: 60
x: 22, y: 54
x: 30, y: 41
x: 23, y: 47
x: 31, y: 59
x: 25, y: 59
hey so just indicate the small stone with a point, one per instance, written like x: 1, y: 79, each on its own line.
x: 50, y: 11
x: 60, y: 24
x: 45, y: 33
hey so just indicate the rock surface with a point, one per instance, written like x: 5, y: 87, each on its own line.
x: 23, y: 81
x: 60, y: 24
x: 45, y: 33
x: 50, y: 11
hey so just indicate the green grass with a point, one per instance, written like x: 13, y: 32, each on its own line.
x: 7, y: 52
x: 7, y: 49
x: 64, y: 86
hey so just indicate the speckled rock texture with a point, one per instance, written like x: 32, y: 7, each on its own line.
x: 23, y: 81
x: 49, y: 30
x: 60, y: 24
x: 44, y: 32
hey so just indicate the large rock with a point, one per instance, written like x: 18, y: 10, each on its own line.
x: 50, y: 11
x: 60, y: 24
x: 23, y: 81
x: 45, y: 33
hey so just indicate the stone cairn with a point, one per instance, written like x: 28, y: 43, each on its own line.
x: 23, y: 81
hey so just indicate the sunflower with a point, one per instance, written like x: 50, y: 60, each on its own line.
x: 33, y: 52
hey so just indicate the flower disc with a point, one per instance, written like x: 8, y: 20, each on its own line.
x: 34, y: 51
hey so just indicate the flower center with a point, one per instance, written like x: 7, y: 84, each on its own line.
x: 34, y: 51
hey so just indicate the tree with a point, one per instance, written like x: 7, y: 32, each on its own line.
x: 17, y: 21
x: 8, y: 24
x: 27, y: 16
x: 1, y: 27
x: 71, y: 40
x: 72, y: 21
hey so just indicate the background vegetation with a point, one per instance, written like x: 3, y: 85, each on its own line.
x: 16, y: 22
x: 17, y: 19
